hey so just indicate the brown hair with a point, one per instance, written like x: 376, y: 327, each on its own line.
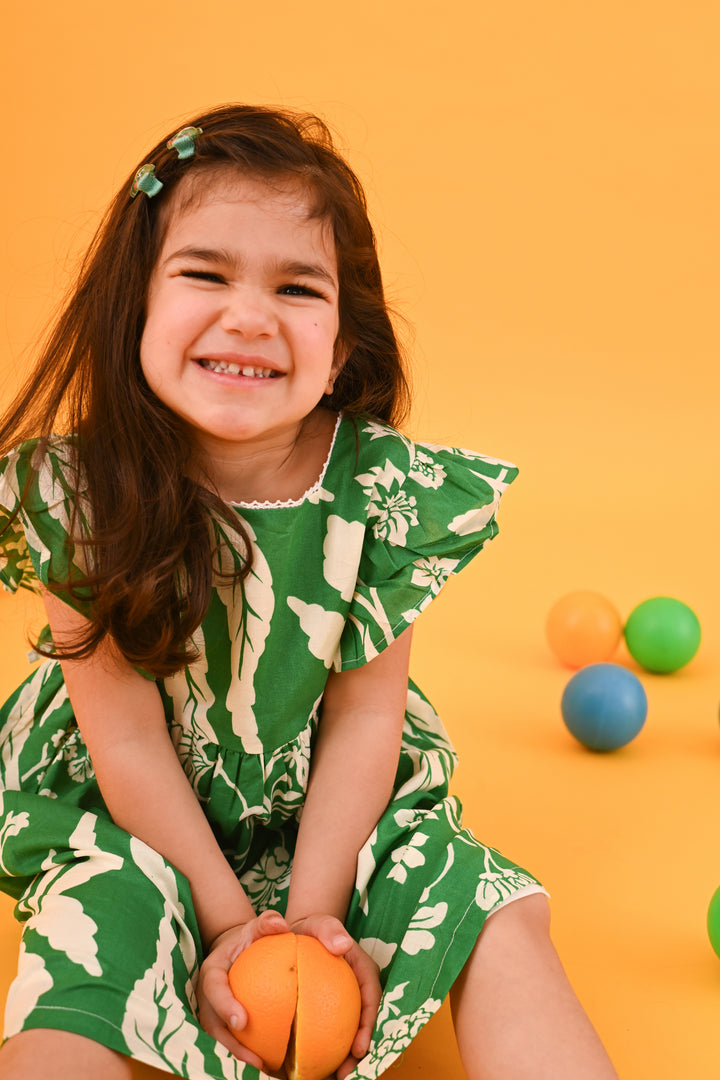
x: 153, y: 527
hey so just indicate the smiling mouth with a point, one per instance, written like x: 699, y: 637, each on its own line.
x: 224, y: 368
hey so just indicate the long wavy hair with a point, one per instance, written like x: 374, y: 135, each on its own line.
x: 155, y: 532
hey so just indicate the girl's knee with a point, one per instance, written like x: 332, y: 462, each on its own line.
x: 533, y: 909
x: 25, y: 1056
x: 528, y: 916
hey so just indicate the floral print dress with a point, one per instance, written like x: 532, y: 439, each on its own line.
x: 110, y: 946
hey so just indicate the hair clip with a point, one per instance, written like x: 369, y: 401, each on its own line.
x: 145, y: 180
x: 184, y: 141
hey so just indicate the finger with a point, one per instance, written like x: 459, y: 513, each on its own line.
x: 366, y: 973
x: 361, y: 1042
x: 216, y: 991
x: 366, y: 1026
x: 346, y: 1068
x: 269, y: 922
x: 212, y: 1023
x: 328, y: 930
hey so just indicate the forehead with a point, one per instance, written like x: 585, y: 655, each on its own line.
x: 276, y: 209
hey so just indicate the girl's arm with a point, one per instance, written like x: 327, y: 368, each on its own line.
x: 353, y: 768
x: 122, y: 721
x: 351, y: 780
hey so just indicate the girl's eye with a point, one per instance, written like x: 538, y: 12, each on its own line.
x: 203, y: 275
x: 299, y: 290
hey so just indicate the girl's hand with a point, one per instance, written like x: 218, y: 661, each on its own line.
x: 219, y: 1012
x: 333, y: 935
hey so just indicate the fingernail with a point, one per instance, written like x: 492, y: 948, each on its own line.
x: 234, y: 1022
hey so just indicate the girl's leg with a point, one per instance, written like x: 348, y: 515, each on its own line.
x: 42, y: 1053
x: 516, y: 1015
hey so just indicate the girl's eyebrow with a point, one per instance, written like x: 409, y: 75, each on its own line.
x: 291, y: 267
x: 202, y: 254
x: 302, y: 269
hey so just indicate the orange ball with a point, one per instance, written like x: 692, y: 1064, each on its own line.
x: 583, y: 628
x: 303, y: 1004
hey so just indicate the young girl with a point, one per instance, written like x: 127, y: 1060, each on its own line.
x: 232, y: 543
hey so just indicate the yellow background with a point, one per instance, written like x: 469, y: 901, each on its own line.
x: 543, y: 178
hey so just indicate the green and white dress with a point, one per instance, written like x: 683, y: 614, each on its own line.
x: 110, y: 946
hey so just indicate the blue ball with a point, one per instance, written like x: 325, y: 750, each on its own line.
x: 604, y: 706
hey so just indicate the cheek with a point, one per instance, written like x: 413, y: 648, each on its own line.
x: 173, y: 311
x: 149, y: 350
x: 159, y: 345
x: 324, y: 331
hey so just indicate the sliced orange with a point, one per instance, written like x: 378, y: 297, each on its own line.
x: 303, y: 1004
x: 328, y: 1012
x: 264, y: 980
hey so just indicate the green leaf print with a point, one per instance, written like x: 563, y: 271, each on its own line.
x: 425, y: 471
x: 190, y: 729
x: 33, y: 980
x: 342, y: 550
x: 323, y: 628
x: 418, y: 937
x: 155, y: 1026
x: 449, y: 860
x: 396, y: 1032
x: 269, y: 879
x: 249, y: 615
x: 432, y: 573
x: 391, y: 509
x: 61, y: 918
x: 375, y: 610
x: 21, y: 719
x: 499, y: 882
x: 14, y: 823
x: 382, y: 952
x: 407, y: 857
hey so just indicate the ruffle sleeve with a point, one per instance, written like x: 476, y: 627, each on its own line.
x: 430, y: 510
x: 37, y: 491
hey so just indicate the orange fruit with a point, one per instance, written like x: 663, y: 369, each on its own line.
x: 327, y: 1013
x: 303, y: 1004
x: 264, y: 980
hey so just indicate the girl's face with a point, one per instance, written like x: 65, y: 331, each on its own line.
x: 242, y: 313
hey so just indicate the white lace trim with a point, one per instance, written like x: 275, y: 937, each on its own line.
x: 279, y: 504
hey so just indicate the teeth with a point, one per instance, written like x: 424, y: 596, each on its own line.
x: 235, y: 369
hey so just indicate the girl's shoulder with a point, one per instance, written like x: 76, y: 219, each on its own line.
x: 42, y: 472
x: 423, y: 512
x: 383, y: 450
x: 39, y: 488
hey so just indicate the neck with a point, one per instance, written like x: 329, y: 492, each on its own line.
x: 277, y: 467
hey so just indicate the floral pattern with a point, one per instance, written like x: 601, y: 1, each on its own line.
x: 391, y: 510
x: 108, y: 923
x: 427, y: 471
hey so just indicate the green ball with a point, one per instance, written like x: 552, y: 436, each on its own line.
x: 662, y: 634
x: 713, y: 921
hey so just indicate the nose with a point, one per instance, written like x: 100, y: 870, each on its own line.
x: 249, y: 312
